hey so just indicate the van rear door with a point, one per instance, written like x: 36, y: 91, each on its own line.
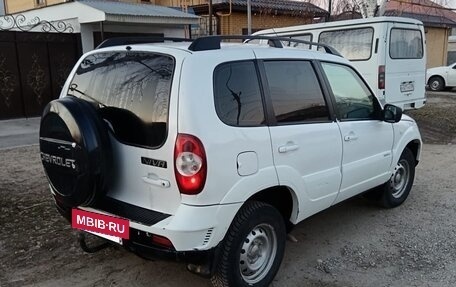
x: 405, y: 68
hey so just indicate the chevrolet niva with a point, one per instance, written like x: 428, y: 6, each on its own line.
x: 210, y: 153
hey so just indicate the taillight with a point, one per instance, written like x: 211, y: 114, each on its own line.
x: 381, y: 77
x: 190, y: 164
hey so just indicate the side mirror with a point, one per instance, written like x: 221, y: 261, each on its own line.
x: 391, y: 113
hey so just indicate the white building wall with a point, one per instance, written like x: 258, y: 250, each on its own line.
x: 87, y: 31
x: 86, y: 20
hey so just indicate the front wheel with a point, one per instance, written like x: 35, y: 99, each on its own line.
x: 397, y: 189
x: 253, y: 247
x: 436, y: 84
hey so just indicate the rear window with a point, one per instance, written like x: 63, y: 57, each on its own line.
x: 353, y: 44
x: 132, y: 90
x: 406, y: 44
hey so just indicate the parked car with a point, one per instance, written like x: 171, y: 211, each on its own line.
x: 211, y: 153
x: 439, y: 78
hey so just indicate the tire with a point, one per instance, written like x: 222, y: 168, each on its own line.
x: 436, y: 83
x: 396, y: 190
x: 253, y: 248
x: 75, y: 151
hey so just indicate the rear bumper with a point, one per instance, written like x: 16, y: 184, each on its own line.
x: 191, y: 229
x: 150, y: 252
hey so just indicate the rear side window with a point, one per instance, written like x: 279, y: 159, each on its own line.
x: 237, y: 94
x: 132, y: 90
x: 295, y: 92
x: 406, y: 44
x: 353, y: 44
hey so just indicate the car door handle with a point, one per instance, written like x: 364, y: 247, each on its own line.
x: 350, y: 137
x: 156, y: 181
x: 288, y: 147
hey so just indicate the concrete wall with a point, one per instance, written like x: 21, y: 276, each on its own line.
x: 436, y: 46
x: 233, y: 24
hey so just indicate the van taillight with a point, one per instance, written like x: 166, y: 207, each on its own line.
x: 381, y: 77
x: 190, y: 164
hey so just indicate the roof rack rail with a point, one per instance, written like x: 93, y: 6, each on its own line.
x: 213, y: 42
x: 119, y: 41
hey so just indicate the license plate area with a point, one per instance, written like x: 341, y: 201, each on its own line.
x: 115, y: 239
x: 109, y: 227
x: 407, y: 86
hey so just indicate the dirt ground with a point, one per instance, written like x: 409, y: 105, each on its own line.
x: 352, y: 244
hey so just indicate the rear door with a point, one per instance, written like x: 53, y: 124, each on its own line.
x: 306, y: 142
x: 367, y: 141
x: 134, y: 91
x: 405, y: 69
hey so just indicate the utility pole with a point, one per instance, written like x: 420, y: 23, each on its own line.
x: 329, y: 11
x: 210, y: 17
x: 249, y: 17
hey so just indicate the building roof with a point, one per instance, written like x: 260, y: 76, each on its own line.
x: 287, y: 7
x: 134, y: 9
x: 428, y: 12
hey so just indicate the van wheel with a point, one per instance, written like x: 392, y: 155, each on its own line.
x: 253, y: 248
x: 436, y: 83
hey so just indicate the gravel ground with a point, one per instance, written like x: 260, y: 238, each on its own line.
x: 437, y: 119
x: 352, y: 244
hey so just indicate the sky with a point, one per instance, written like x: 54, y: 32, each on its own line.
x: 324, y: 3
x: 451, y: 3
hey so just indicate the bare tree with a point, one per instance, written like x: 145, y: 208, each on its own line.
x: 338, y: 6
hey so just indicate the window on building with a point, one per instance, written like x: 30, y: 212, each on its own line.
x: 40, y: 2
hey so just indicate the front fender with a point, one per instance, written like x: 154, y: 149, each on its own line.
x: 405, y: 132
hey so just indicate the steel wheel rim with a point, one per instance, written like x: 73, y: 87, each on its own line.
x: 400, y: 178
x: 435, y: 84
x: 258, y: 252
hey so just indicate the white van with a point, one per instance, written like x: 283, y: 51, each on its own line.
x: 388, y: 51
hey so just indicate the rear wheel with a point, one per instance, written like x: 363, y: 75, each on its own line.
x: 436, y: 83
x: 253, y: 248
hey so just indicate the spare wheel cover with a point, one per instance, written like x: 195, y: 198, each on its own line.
x: 75, y: 151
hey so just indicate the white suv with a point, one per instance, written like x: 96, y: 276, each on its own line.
x: 211, y: 153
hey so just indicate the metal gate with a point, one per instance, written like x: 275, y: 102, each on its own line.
x: 33, y: 69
